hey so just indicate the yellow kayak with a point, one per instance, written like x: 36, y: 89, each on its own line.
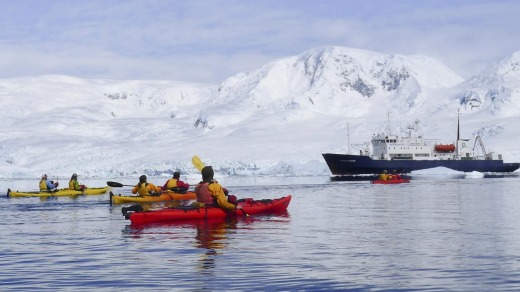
x: 58, y: 193
x: 165, y: 196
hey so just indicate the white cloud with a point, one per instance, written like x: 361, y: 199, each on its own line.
x: 208, y: 41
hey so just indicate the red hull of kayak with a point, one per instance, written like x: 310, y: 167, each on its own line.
x: 176, y: 214
x: 391, y: 181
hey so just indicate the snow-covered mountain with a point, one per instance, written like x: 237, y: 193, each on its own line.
x: 331, y: 81
x: 496, y: 89
x: 276, y: 120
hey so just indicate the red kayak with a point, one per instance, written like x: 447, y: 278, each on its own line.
x: 250, y: 207
x: 390, y: 181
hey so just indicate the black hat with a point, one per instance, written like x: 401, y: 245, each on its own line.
x: 176, y: 174
x: 207, y: 173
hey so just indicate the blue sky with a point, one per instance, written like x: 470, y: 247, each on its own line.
x: 209, y: 41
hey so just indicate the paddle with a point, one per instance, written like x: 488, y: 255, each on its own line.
x: 199, y: 165
x: 117, y: 185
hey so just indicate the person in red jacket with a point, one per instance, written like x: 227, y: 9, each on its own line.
x: 210, y: 192
x: 395, y: 175
x: 175, y: 183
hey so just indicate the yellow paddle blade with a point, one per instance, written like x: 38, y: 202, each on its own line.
x: 199, y: 165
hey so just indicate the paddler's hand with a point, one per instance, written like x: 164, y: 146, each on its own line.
x: 239, y: 207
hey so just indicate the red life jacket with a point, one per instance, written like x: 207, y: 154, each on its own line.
x: 203, y: 194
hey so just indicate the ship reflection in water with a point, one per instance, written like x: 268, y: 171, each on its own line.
x: 361, y: 177
x: 438, y: 173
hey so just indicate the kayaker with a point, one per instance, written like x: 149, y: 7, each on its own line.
x: 384, y: 175
x: 395, y: 175
x: 175, y: 182
x: 74, y: 184
x: 46, y: 185
x: 210, y: 192
x: 144, y: 188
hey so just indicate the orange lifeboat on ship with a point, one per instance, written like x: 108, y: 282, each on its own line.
x: 446, y: 148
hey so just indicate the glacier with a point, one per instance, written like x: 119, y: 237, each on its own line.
x: 276, y: 120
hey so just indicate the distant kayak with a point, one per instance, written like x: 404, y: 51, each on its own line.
x: 250, y: 207
x: 58, y: 193
x: 166, y: 196
x: 390, y: 181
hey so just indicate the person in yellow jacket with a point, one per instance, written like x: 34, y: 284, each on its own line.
x: 209, y: 192
x: 74, y: 184
x: 384, y: 175
x: 144, y: 188
x: 175, y: 183
x: 46, y: 185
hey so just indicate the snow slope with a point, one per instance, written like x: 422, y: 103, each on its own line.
x: 276, y: 120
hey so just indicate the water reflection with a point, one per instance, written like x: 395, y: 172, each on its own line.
x: 212, y: 237
x: 429, y: 176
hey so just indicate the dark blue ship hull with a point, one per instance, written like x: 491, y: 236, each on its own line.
x: 345, y: 164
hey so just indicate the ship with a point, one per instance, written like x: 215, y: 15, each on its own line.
x: 413, y: 152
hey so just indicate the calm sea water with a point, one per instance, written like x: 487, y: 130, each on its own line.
x: 432, y: 234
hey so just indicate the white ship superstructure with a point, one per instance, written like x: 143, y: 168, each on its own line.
x: 407, y: 154
x: 414, y: 147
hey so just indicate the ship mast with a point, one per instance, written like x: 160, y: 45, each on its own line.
x: 388, y: 128
x: 458, y: 134
x: 348, y: 139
